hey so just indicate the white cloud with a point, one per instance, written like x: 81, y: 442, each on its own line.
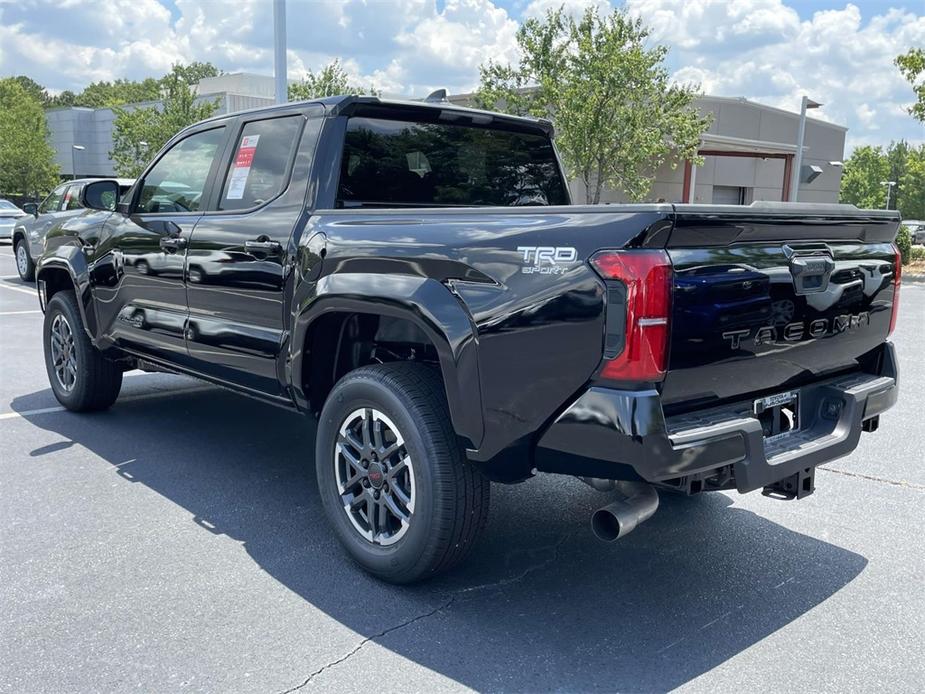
x: 760, y: 49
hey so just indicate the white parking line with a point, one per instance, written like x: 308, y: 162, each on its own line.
x: 127, y: 398
x: 18, y: 313
x: 30, y: 292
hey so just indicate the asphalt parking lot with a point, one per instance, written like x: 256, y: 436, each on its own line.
x: 176, y: 543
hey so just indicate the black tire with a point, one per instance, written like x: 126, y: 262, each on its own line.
x: 24, y: 264
x: 97, y: 380
x: 451, y: 496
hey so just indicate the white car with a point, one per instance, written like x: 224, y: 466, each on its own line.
x: 9, y: 213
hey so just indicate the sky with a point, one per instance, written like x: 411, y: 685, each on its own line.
x: 772, y: 51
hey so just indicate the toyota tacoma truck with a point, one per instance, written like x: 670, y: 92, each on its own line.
x: 413, y: 275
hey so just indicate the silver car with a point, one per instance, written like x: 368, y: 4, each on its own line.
x: 9, y: 215
x: 916, y: 229
x: 63, y: 202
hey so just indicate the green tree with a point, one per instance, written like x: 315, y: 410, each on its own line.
x: 65, y: 98
x: 26, y: 159
x: 910, y: 200
x: 116, y: 93
x: 196, y: 71
x: 912, y: 67
x: 331, y: 80
x: 105, y: 94
x: 868, y: 167
x: 861, y: 180
x: 138, y: 133
x: 618, y: 116
x: 33, y: 88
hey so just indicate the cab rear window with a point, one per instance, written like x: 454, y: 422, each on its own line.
x: 392, y: 163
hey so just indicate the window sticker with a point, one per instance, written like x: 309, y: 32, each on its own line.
x: 242, y: 167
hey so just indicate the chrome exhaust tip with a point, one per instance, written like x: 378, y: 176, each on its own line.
x: 619, y: 518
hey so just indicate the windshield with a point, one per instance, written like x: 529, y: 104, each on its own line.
x: 390, y: 163
x: 7, y: 205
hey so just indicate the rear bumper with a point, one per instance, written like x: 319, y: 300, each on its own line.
x: 624, y: 435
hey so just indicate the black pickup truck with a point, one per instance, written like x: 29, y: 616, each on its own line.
x: 414, y: 275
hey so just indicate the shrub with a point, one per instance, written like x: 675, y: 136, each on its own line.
x: 904, y: 242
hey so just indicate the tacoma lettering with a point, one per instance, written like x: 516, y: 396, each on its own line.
x: 794, y: 332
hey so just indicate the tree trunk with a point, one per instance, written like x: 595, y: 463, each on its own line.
x: 598, y: 184
x: 586, y: 179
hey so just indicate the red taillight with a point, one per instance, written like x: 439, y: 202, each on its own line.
x: 897, y: 278
x: 647, y: 276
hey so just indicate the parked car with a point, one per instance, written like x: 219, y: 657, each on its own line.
x: 9, y: 214
x: 414, y: 275
x: 65, y: 201
x: 916, y: 229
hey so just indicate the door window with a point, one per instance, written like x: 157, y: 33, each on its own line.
x: 53, y: 202
x: 177, y: 181
x: 258, y: 172
x: 72, y: 198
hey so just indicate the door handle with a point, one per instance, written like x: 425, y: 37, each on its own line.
x: 261, y: 246
x: 172, y: 243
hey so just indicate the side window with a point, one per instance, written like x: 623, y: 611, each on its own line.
x: 258, y: 172
x: 53, y: 202
x: 177, y: 181
x: 72, y: 198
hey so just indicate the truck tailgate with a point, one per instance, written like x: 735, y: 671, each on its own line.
x: 769, y: 297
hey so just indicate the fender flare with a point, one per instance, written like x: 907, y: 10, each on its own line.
x: 72, y: 260
x: 428, y: 304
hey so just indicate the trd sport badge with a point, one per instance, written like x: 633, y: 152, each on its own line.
x: 547, y: 260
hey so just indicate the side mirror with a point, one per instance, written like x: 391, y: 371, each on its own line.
x: 100, y: 195
x: 31, y: 208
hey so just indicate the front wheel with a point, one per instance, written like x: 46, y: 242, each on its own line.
x: 81, y: 378
x: 24, y: 265
x: 392, y: 476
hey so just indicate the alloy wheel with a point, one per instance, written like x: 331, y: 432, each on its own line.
x: 375, y: 476
x: 22, y: 259
x: 63, y: 353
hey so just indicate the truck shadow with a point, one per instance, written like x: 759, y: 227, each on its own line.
x: 540, y: 605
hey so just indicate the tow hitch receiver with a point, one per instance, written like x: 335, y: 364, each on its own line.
x: 797, y: 486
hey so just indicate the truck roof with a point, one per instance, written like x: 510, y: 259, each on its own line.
x: 350, y: 105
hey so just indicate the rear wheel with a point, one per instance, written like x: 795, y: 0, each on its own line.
x: 24, y: 265
x: 81, y: 378
x: 393, y: 479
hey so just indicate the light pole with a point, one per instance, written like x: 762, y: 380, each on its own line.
x: 74, y: 150
x: 805, y: 104
x: 279, y: 51
x: 889, y: 189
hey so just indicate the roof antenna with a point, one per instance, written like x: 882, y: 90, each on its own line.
x: 438, y: 95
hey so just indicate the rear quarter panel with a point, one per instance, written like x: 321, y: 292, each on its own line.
x: 538, y: 326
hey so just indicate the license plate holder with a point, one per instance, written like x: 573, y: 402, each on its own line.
x: 779, y: 415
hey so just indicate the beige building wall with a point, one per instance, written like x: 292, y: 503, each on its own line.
x: 759, y: 128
